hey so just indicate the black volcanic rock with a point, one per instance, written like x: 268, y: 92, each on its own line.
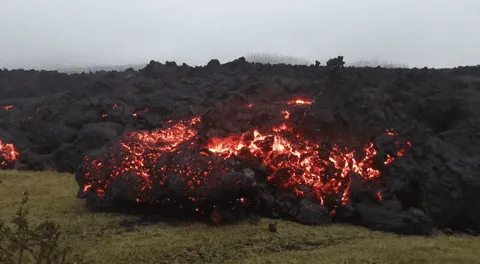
x: 311, y: 213
x: 56, y: 119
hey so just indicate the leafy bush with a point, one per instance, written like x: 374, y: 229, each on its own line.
x: 21, y: 243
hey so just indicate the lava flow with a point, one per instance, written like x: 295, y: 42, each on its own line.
x: 290, y: 160
x: 8, y: 154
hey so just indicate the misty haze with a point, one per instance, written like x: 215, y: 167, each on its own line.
x: 54, y: 34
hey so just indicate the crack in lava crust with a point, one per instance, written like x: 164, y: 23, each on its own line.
x: 151, y: 160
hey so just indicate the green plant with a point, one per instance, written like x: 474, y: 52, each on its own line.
x: 20, y: 243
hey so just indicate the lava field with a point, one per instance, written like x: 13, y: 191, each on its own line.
x: 390, y: 149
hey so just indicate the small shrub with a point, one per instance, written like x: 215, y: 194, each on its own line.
x: 21, y: 243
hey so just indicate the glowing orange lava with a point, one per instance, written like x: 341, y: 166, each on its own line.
x: 303, y: 101
x: 143, y: 148
x: 7, y: 107
x: 8, y: 154
x: 305, y: 161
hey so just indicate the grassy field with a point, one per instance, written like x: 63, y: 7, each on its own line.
x: 101, y: 239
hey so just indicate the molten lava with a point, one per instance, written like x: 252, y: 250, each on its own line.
x: 7, y: 107
x: 303, y: 159
x: 300, y: 101
x: 290, y: 160
x: 8, y: 154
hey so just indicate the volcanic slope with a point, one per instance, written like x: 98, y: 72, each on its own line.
x: 390, y: 149
x: 108, y: 237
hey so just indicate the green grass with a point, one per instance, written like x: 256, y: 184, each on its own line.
x: 100, y: 238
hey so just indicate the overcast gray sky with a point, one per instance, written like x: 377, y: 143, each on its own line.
x: 64, y: 33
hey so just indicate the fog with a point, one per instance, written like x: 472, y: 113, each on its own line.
x: 51, y: 34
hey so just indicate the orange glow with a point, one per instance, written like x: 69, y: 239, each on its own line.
x: 8, y: 154
x: 286, y: 114
x: 300, y: 101
x: 326, y: 169
x: 7, y: 107
x: 303, y: 160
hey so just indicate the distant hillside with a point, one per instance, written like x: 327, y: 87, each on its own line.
x: 276, y: 59
x: 269, y: 58
x: 376, y: 63
x: 97, y: 68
